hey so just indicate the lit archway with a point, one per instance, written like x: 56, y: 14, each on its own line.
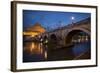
x: 77, y: 36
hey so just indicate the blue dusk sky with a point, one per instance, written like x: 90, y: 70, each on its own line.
x: 51, y: 19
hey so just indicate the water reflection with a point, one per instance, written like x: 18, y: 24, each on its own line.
x: 45, y: 54
x: 34, y: 50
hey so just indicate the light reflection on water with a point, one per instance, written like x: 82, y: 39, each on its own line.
x: 36, y: 51
x: 35, y: 48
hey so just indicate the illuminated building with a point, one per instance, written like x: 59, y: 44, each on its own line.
x: 36, y: 29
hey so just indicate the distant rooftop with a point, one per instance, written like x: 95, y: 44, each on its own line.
x: 36, y: 28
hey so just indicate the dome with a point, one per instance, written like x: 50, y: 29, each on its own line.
x: 36, y: 28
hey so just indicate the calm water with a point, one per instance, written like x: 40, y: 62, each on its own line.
x: 35, y: 52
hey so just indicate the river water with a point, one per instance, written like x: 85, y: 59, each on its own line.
x: 35, y: 52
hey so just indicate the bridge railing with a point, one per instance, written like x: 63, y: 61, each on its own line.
x: 85, y: 21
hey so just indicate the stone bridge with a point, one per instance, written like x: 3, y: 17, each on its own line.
x: 65, y: 34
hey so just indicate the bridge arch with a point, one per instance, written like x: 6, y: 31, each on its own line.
x: 53, y: 37
x: 76, y: 33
